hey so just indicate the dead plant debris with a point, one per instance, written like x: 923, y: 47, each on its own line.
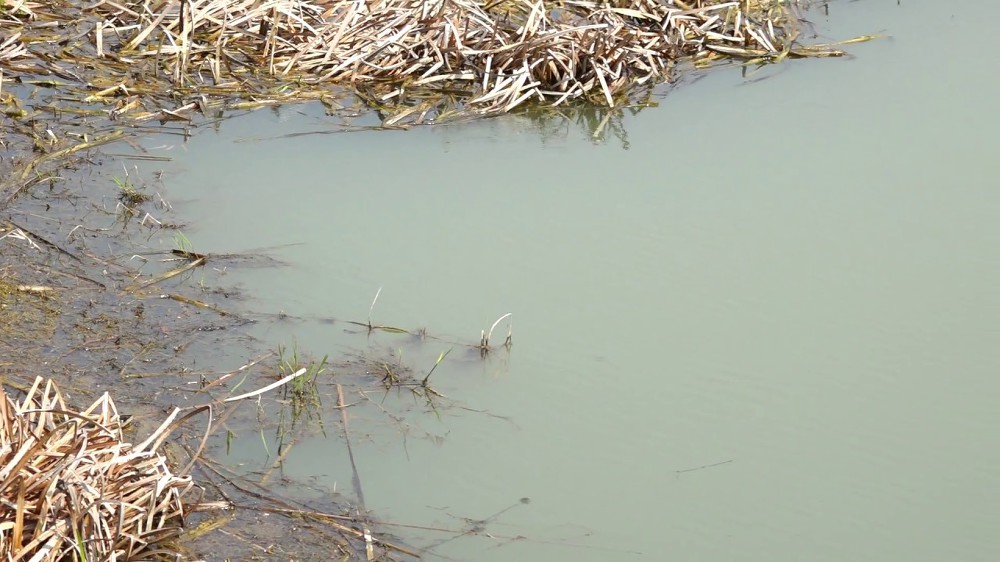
x: 72, y: 488
x: 420, y: 59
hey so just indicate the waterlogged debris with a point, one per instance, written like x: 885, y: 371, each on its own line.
x: 196, y: 303
x: 26, y: 176
x: 172, y: 273
x: 11, y: 230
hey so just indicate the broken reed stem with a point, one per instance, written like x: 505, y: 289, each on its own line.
x: 69, y: 483
x: 495, y: 55
x: 489, y: 335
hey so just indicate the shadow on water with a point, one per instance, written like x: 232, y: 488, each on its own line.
x: 598, y: 123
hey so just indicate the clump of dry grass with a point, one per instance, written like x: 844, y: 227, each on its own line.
x: 482, y: 56
x: 71, y: 488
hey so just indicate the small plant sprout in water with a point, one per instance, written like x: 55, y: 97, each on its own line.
x: 372, y: 308
x: 487, y: 336
x: 184, y: 249
x: 182, y: 243
x: 128, y: 195
x: 440, y: 358
x: 305, y: 385
x: 372, y: 326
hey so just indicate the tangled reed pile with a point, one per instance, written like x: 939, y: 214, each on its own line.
x: 485, y: 56
x: 72, y: 489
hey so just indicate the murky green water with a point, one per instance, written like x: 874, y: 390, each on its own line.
x: 793, y: 280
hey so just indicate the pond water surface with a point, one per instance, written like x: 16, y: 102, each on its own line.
x: 763, y: 329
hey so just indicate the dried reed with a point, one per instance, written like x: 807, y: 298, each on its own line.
x: 485, y: 56
x: 71, y: 488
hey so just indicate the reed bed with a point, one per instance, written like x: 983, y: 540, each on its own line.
x: 485, y: 56
x: 71, y: 487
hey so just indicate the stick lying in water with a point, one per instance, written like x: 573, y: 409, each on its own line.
x: 355, y: 478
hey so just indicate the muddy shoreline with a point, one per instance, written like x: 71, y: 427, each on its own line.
x: 86, y: 300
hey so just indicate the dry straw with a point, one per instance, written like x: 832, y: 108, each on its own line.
x: 486, y: 56
x: 71, y: 488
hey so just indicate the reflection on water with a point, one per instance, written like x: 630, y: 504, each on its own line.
x: 766, y: 331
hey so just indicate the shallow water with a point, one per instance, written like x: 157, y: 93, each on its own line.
x: 765, y: 331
